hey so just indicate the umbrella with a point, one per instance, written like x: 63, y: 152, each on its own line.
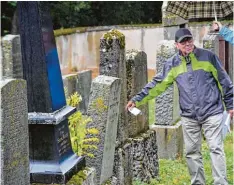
x: 200, y: 9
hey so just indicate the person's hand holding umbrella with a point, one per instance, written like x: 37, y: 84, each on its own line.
x: 216, y: 26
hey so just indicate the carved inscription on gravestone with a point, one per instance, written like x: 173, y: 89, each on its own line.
x: 64, y: 144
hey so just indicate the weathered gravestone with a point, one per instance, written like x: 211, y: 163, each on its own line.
x: 80, y: 83
x: 11, y: 54
x: 168, y: 128
x: 112, y: 63
x: 137, y: 159
x: 137, y: 78
x: 167, y: 104
x: 83, y: 88
x: 104, y: 110
x: 51, y: 157
x: 211, y: 42
x: 14, y: 153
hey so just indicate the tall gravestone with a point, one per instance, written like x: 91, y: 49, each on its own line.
x: 11, y: 54
x: 104, y: 110
x: 167, y: 104
x: 137, y: 78
x: 112, y: 63
x: 14, y: 153
x: 51, y: 157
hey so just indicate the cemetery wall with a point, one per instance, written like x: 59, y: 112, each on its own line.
x: 80, y: 50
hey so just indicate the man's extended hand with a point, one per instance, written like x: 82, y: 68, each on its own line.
x: 130, y: 104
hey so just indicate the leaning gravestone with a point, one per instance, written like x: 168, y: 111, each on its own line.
x: 11, y: 54
x: 104, y: 110
x: 166, y: 104
x: 136, y: 67
x: 112, y: 63
x: 14, y: 153
x: 51, y: 157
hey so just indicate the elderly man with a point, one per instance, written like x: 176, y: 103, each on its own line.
x: 205, y: 91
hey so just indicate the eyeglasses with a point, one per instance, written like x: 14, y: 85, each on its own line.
x: 184, y: 42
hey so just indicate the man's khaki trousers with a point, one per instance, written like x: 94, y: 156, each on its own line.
x: 192, y: 132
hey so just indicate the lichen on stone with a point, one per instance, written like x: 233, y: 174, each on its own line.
x: 114, y: 34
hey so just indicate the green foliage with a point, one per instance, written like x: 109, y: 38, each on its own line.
x: 151, y: 105
x: 78, y: 178
x: 175, y: 172
x: 78, y: 130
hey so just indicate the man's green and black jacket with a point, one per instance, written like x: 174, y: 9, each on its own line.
x: 205, y: 89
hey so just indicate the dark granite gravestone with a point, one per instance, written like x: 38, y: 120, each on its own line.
x: 51, y: 157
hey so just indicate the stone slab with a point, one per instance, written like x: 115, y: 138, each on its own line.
x: 104, y: 110
x: 11, y: 57
x: 83, y: 88
x: 80, y: 83
x: 137, y: 78
x: 14, y: 133
x: 112, y: 63
x: 137, y: 160
x: 169, y: 141
x: 167, y: 110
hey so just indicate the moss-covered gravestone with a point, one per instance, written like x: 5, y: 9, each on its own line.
x: 104, y: 110
x: 137, y: 78
x: 112, y: 63
x: 12, y: 60
x: 14, y: 147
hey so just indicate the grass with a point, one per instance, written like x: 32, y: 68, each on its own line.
x: 151, y: 105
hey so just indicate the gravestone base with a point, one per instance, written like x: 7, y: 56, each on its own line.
x: 169, y: 140
x: 51, y: 157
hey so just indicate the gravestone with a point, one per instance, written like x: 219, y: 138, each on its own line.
x: 104, y: 110
x: 137, y: 159
x: 70, y: 82
x: 83, y: 88
x: 11, y: 54
x: 169, y: 141
x: 51, y: 157
x: 211, y: 42
x: 112, y: 63
x: 167, y: 104
x: 137, y: 78
x: 14, y: 153
x: 80, y: 83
